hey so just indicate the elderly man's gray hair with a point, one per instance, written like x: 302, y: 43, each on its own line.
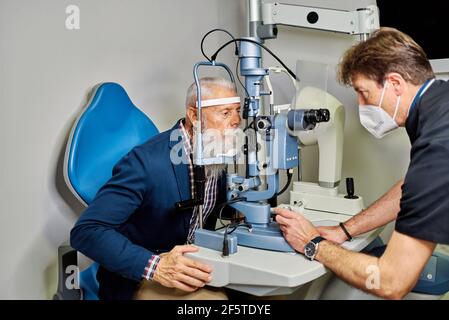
x: 207, y: 84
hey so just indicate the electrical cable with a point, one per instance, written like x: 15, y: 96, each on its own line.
x: 224, y: 204
x: 214, y: 56
x: 289, y: 180
x: 212, y: 31
x: 238, y: 77
x: 225, y: 249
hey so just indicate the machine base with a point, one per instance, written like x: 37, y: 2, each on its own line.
x: 268, y: 238
x: 260, y: 237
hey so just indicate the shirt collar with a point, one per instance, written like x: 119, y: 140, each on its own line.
x: 426, y: 85
x: 186, y: 139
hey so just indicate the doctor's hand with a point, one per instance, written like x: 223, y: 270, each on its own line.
x: 297, y: 230
x: 334, y: 234
x: 176, y: 271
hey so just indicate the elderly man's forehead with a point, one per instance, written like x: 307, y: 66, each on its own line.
x: 217, y: 91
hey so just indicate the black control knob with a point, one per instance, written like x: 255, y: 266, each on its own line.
x: 263, y: 124
x: 350, y: 189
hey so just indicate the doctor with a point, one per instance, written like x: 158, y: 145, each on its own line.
x: 395, y: 85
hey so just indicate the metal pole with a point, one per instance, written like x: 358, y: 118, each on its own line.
x: 254, y: 16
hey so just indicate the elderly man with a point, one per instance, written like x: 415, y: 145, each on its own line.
x: 396, y: 87
x: 132, y: 228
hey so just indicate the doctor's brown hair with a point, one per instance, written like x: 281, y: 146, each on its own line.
x: 386, y: 50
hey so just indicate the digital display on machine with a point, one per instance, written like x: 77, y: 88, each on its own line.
x: 426, y: 22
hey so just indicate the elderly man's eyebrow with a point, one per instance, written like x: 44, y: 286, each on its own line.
x: 229, y: 107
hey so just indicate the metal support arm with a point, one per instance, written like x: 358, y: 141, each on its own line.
x: 362, y: 21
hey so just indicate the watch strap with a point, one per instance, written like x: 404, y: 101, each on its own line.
x: 317, y: 240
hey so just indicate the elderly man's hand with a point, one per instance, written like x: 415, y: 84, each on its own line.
x: 176, y: 271
x: 297, y: 230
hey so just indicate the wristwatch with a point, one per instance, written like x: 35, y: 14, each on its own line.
x: 311, y: 248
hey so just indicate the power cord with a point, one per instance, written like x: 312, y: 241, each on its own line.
x: 214, y: 56
x: 249, y: 126
x: 225, y: 250
x: 216, y: 30
x: 289, y: 181
x: 234, y: 225
x: 238, y: 77
x: 224, y: 204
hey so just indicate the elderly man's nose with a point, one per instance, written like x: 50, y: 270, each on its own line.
x: 235, y: 121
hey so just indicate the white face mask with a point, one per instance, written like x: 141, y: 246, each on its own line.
x: 376, y: 120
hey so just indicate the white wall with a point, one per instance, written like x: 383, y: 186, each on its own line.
x: 46, y: 72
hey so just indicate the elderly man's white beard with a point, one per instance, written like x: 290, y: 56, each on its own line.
x: 216, y: 144
x: 215, y: 170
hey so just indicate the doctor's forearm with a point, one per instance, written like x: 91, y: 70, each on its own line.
x: 378, y: 214
x: 359, y: 270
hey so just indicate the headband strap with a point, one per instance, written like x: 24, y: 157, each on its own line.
x: 218, y: 102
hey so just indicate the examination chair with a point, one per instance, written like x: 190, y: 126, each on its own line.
x: 108, y: 128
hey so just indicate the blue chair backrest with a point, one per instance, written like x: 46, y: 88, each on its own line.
x: 108, y: 128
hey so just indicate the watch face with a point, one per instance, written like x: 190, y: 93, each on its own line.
x: 309, y: 249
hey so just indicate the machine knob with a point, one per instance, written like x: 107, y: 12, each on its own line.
x: 264, y: 124
x: 350, y: 189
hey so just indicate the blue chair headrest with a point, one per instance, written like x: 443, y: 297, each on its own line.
x: 108, y: 128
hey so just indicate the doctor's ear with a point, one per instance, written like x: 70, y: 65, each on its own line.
x: 397, y: 82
